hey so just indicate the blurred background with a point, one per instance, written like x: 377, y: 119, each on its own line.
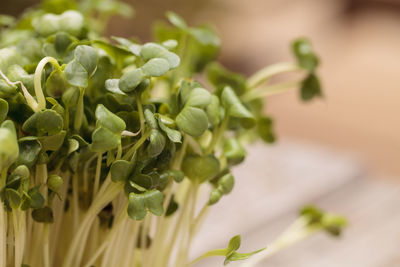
x: 341, y: 152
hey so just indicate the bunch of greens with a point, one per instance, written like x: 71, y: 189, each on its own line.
x: 105, y: 144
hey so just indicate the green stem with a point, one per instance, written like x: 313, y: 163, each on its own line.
x: 37, y: 80
x: 176, y: 165
x: 79, y: 111
x: 269, y: 90
x: 136, y: 146
x: 140, y: 111
x: 266, y: 73
x: 212, y: 253
x: 218, y: 135
x: 295, y: 233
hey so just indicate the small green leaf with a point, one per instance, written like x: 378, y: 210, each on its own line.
x: 120, y: 170
x: 265, y: 129
x: 154, y: 202
x: 226, y: 183
x: 112, y: 85
x: 36, y: 199
x: 55, y: 182
x: 137, y: 206
x: 234, y: 243
x: 310, y: 88
x: 29, y: 149
x: 73, y: 145
x: 9, y: 149
x: 155, y: 67
x: 175, y: 174
x: 109, y: 120
x: 76, y: 74
x: 213, y: 111
x: 62, y: 41
x: 173, y: 135
x: 234, y: 151
x: 3, y: 110
x: 104, y: 140
x: 153, y: 50
x: 87, y: 57
x: 130, y: 80
x: 235, y: 108
x: 157, y: 143
x: 200, y: 168
x: 13, y: 198
x: 176, y: 20
x: 56, y: 84
x: 198, y: 97
x: 44, y: 122
x: 43, y: 215
x: 192, y: 121
x: 305, y: 56
x: 54, y: 142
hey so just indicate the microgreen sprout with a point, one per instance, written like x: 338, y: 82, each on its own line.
x: 105, y: 144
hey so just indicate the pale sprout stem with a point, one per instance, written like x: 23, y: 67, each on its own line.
x: 266, y: 73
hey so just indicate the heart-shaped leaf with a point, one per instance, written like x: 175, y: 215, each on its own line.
x: 130, y: 80
x: 192, y: 121
x: 29, y: 149
x: 120, y: 170
x: 76, y: 74
x: 137, y: 206
x: 155, y: 67
x: 200, y: 168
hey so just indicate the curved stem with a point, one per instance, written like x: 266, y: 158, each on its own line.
x: 270, y: 90
x: 37, y: 80
x: 266, y: 73
x: 297, y: 232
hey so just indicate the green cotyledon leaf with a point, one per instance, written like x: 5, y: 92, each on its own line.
x: 76, y: 74
x: 155, y: 67
x: 29, y: 149
x: 192, y: 121
x: 9, y: 149
x: 200, y: 168
x: 305, y: 55
x: 109, y: 120
x: 3, y: 110
x: 121, y: 170
x: 44, y: 122
x: 87, y: 57
x: 310, y: 88
x: 235, y: 108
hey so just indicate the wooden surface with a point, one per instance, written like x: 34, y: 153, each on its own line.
x: 276, y: 181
